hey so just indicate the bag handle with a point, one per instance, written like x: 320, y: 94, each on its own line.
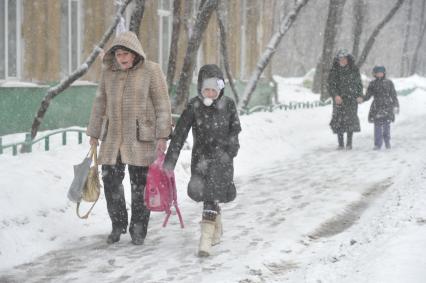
x: 85, y: 216
x: 93, y: 153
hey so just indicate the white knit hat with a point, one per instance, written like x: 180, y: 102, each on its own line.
x: 213, y: 83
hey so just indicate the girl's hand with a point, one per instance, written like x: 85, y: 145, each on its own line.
x: 396, y: 110
x: 338, y: 100
x: 162, y: 145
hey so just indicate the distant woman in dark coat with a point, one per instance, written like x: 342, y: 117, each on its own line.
x: 215, y: 125
x: 345, y: 88
x: 385, y: 104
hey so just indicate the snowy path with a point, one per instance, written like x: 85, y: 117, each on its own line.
x: 304, y: 211
x: 285, y: 214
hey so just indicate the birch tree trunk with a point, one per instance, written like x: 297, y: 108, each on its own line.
x: 405, y: 61
x: 137, y: 16
x: 79, y: 72
x: 376, y: 31
x: 335, y: 9
x: 171, y: 66
x: 182, y: 90
x: 358, y: 25
x: 223, y: 46
x: 269, y: 52
x: 422, y: 32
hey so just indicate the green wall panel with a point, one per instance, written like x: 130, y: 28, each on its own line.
x: 18, y: 105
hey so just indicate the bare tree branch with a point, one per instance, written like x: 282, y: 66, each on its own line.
x: 376, y: 31
x: 171, y: 66
x: 223, y: 46
x: 268, y: 53
x: 182, y: 90
x: 79, y: 72
x: 137, y: 16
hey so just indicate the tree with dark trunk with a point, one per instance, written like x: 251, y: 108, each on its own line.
x: 422, y: 32
x: 182, y: 90
x: 137, y: 16
x: 335, y: 9
x: 358, y: 25
x: 171, y: 66
x: 405, y: 61
x: 269, y: 52
x: 223, y: 46
x: 79, y: 72
x: 375, y: 33
x: 188, y: 19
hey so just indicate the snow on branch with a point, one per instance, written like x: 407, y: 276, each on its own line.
x: 284, y: 27
x: 79, y: 72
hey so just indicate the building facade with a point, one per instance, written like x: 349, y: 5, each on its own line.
x: 43, y: 41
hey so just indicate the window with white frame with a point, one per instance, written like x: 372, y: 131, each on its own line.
x: 71, y: 36
x: 165, y: 18
x: 243, y: 45
x: 10, y: 39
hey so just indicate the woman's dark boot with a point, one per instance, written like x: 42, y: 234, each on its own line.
x: 140, y: 214
x: 138, y: 233
x: 115, y: 235
x: 340, y: 141
x: 349, y: 141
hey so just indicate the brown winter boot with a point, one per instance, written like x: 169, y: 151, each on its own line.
x: 218, y: 230
x: 207, y: 231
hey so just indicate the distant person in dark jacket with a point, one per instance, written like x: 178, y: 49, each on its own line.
x: 345, y: 88
x: 215, y: 125
x: 383, y: 108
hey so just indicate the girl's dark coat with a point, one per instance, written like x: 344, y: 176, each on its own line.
x: 384, y: 100
x: 215, y: 132
x: 346, y: 83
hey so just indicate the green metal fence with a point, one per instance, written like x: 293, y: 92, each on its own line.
x: 84, y: 97
x: 27, y: 145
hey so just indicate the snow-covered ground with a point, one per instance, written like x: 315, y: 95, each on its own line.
x: 304, y: 211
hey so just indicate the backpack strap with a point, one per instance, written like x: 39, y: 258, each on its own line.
x: 179, y: 215
x: 177, y: 212
x: 166, y: 220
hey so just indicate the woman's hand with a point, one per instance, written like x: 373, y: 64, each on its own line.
x: 94, y: 141
x: 338, y: 100
x: 359, y: 100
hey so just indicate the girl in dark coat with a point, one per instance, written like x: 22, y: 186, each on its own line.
x: 385, y: 104
x: 345, y: 88
x: 215, y: 125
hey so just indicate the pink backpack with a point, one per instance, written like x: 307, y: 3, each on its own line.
x: 160, y: 190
